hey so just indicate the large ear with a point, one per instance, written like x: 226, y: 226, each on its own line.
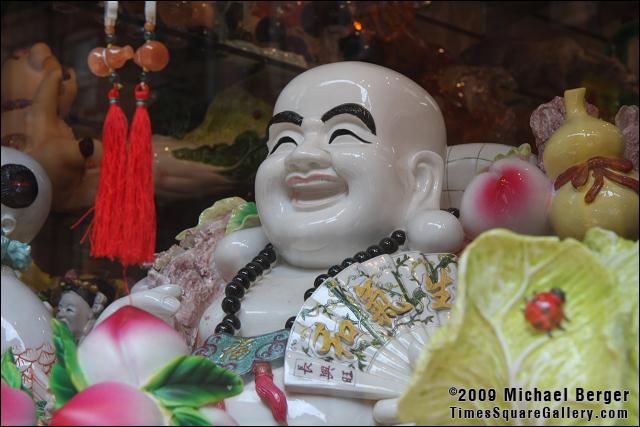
x: 427, y: 169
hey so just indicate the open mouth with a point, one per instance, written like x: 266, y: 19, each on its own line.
x: 315, y: 191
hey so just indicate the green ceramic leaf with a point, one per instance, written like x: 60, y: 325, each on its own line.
x: 67, y: 356
x: 61, y: 386
x: 193, y: 381
x: 185, y: 416
x: 488, y: 343
x: 217, y: 210
x: 243, y: 216
x: 10, y: 373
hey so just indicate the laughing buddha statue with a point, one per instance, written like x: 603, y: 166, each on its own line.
x: 355, y: 152
x: 355, y: 157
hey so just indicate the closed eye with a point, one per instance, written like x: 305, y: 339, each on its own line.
x: 341, y: 132
x: 284, y: 140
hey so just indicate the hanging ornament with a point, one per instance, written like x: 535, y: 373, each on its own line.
x: 106, y: 229
x: 139, y: 207
x: 124, y: 224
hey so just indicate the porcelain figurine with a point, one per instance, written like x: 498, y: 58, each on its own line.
x: 355, y: 152
x: 81, y: 302
x: 26, y: 200
x: 595, y: 185
x: 347, y: 142
x: 36, y: 94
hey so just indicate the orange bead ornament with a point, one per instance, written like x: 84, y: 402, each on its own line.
x: 152, y: 56
x: 102, y: 60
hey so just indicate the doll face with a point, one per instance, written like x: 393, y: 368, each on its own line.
x: 74, y: 311
x: 338, y: 176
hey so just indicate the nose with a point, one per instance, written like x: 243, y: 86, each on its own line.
x: 307, y: 157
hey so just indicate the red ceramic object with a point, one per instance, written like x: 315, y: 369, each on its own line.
x: 153, y: 56
x: 102, y: 60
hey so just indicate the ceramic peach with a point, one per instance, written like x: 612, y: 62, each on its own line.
x: 512, y: 194
x: 26, y: 200
x: 18, y: 408
x: 117, y: 360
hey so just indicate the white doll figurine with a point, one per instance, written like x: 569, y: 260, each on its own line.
x: 81, y: 302
x: 26, y: 200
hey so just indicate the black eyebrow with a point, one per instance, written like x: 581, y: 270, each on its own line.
x: 284, y: 117
x: 355, y: 110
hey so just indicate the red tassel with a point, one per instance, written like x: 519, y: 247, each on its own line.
x: 106, y: 230
x: 139, y: 211
x: 269, y: 392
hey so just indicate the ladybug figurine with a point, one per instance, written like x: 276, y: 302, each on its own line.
x: 545, y: 311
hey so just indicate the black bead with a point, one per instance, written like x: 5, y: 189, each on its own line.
x: 269, y: 246
x: 255, y: 267
x: 374, y: 251
x: 224, y: 328
x: 320, y: 280
x: 262, y: 261
x: 399, y: 236
x: 453, y: 211
x: 232, y: 320
x: 361, y: 256
x: 388, y: 245
x: 241, y: 280
x: 335, y: 270
x: 230, y: 305
x: 234, y: 290
x: 269, y: 255
x: 148, y: 35
x: 308, y: 293
x: 347, y: 262
x: 248, y: 273
x: 290, y: 322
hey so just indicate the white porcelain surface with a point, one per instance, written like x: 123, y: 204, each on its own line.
x: 236, y: 250
x: 435, y: 231
x: 26, y: 328
x: 319, y: 201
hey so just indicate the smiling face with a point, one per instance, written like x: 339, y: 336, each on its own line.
x: 342, y: 171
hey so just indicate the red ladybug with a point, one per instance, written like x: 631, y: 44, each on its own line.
x: 545, y: 311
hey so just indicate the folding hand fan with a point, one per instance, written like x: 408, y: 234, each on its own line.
x: 355, y: 334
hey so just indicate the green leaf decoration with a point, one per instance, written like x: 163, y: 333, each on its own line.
x: 488, y: 343
x: 10, y: 373
x: 69, y: 372
x: 217, y: 210
x: 61, y: 386
x: 185, y: 416
x: 193, y: 381
x: 243, y: 216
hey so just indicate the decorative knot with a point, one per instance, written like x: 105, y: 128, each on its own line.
x: 602, y: 167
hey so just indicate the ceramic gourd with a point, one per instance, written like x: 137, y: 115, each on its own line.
x: 595, y: 185
x: 580, y: 138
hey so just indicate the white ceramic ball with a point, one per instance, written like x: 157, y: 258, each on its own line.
x: 435, y: 232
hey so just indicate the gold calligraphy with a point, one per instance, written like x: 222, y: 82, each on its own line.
x: 439, y: 291
x: 378, y: 305
x: 347, y: 333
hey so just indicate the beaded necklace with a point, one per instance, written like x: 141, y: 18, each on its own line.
x: 246, y: 276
